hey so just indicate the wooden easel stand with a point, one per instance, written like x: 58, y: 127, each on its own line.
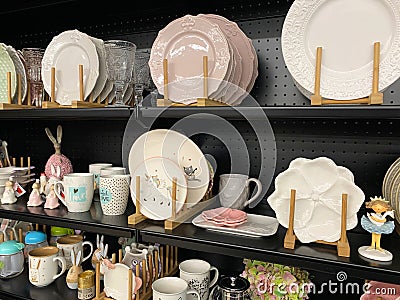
x: 342, y: 245
x: 81, y: 103
x: 374, y: 98
x: 9, y: 104
x: 205, y: 101
x: 176, y: 218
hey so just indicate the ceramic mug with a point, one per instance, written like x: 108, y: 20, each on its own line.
x: 43, y: 265
x: 78, y: 191
x: 172, y: 288
x: 95, y: 170
x: 114, y: 193
x: 196, y: 273
x: 112, y: 171
x: 73, y: 242
x: 234, y: 190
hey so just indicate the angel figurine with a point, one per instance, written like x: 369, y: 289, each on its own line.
x: 34, y: 198
x: 377, y: 221
x: 51, y: 199
x: 8, y: 194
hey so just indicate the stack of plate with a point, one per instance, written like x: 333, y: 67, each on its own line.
x: 157, y: 157
x: 12, y: 61
x: 347, y: 56
x: 65, y: 53
x: 391, y: 187
x: 184, y: 42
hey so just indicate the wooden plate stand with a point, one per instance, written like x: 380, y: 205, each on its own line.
x: 169, y: 267
x: 374, y: 98
x: 81, y: 103
x: 177, y: 218
x: 205, y: 101
x: 19, y: 105
x: 342, y: 245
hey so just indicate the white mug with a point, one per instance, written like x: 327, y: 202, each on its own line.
x: 234, y: 190
x: 73, y: 242
x: 77, y: 191
x: 196, y: 273
x: 113, y: 171
x: 171, y: 288
x: 114, y: 194
x: 43, y: 266
x: 95, y: 170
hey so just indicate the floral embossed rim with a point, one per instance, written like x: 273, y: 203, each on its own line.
x: 339, y: 86
x: 189, y: 88
x: 68, y: 41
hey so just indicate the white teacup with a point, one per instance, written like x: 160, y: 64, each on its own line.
x: 114, y: 194
x: 234, y: 190
x: 43, y: 265
x: 171, y: 288
x: 78, y: 191
x: 196, y: 273
x: 73, y: 242
x: 95, y: 170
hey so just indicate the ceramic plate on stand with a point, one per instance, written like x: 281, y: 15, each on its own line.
x: 184, y: 42
x: 115, y: 280
x: 6, y: 65
x: 19, y: 69
x: 66, y: 52
x: 103, y: 76
x: 347, y: 62
x: 156, y: 176
x: 181, y: 150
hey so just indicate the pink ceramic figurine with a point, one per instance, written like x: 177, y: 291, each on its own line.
x: 35, y: 198
x: 51, y: 199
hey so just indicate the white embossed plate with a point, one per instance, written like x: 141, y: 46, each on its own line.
x: 103, y: 75
x: 180, y: 149
x: 184, y: 42
x: 19, y: 69
x: 319, y: 185
x: 256, y: 226
x: 6, y: 65
x: 156, y: 176
x: 346, y: 31
x: 66, y: 52
x: 116, y: 282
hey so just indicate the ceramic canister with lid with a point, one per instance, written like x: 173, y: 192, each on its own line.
x: 11, y: 259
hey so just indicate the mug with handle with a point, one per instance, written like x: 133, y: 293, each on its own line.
x: 196, y: 272
x: 234, y: 190
x: 172, y: 288
x: 78, y: 191
x: 43, y: 265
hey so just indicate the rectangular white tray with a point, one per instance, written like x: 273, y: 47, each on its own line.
x: 256, y: 226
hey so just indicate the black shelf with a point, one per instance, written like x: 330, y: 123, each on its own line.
x: 240, y: 113
x: 67, y: 113
x: 313, y: 256
x: 19, y: 287
x: 92, y: 221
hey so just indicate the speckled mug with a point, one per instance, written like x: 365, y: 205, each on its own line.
x: 114, y: 194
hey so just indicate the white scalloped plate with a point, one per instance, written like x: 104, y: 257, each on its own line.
x: 66, y: 52
x: 184, y: 42
x: 319, y: 185
x: 19, y: 69
x: 103, y: 75
x: 347, y: 31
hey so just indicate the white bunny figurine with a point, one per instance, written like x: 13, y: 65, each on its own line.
x: 55, y: 176
x: 75, y: 270
x: 100, y: 245
x: 102, y: 257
